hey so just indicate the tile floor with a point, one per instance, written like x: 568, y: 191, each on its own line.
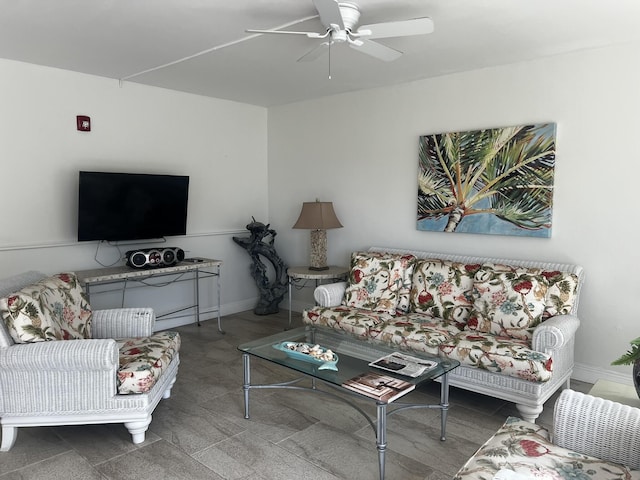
x: 200, y: 432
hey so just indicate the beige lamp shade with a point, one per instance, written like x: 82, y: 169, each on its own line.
x: 318, y: 217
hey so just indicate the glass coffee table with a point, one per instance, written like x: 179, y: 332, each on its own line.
x: 354, y: 356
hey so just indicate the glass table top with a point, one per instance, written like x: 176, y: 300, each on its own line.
x: 354, y: 355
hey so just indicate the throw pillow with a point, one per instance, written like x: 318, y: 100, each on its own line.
x: 55, y: 308
x: 375, y: 281
x: 509, y: 301
x: 442, y: 289
x: 563, y: 289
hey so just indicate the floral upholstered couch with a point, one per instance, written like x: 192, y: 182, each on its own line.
x: 62, y: 363
x: 511, y: 324
x: 593, y: 439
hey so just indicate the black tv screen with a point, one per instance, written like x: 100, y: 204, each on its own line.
x: 131, y: 206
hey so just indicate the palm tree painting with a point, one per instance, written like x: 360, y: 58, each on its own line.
x: 496, y: 181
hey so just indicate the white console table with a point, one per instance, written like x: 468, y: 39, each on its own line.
x: 197, y: 268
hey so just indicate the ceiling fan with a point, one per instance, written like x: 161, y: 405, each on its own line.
x: 340, y: 20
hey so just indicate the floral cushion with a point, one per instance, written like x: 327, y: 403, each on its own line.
x: 349, y: 320
x: 376, y: 281
x: 509, y: 301
x: 508, y: 356
x: 442, y: 289
x: 55, y: 308
x: 143, y: 360
x: 525, y: 449
x: 561, y: 295
x: 414, y: 331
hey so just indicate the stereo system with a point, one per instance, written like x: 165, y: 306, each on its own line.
x: 154, y: 257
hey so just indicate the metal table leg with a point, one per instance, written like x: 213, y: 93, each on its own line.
x: 246, y: 365
x: 381, y: 436
x: 444, y: 405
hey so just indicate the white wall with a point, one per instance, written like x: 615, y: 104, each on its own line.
x: 359, y: 150
x: 221, y: 145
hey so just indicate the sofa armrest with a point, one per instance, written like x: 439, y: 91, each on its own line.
x: 554, y: 333
x: 60, y: 356
x: 123, y: 323
x: 597, y: 427
x: 330, y: 294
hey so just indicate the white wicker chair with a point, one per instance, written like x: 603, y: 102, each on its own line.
x: 597, y: 427
x: 555, y: 336
x: 591, y: 438
x: 74, y: 382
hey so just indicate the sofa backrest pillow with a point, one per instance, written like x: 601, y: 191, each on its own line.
x: 54, y: 308
x: 442, y: 289
x: 378, y: 281
x: 508, y: 301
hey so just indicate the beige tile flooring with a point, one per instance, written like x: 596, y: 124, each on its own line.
x: 200, y: 432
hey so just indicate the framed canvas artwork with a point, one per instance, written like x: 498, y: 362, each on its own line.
x: 493, y: 181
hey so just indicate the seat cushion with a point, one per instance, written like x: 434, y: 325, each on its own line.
x: 355, y: 321
x: 54, y: 308
x: 143, y: 360
x: 525, y: 449
x: 505, y: 355
x: 414, y: 331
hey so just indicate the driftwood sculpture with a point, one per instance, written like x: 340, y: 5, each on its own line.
x: 259, y: 245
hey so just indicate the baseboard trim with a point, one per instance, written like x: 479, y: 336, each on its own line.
x: 591, y: 374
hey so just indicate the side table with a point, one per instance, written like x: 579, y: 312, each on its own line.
x: 616, y: 392
x: 302, y: 274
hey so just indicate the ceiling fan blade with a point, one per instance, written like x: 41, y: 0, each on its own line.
x: 289, y: 32
x: 377, y: 50
x: 329, y: 13
x: 402, y: 28
x: 314, y: 53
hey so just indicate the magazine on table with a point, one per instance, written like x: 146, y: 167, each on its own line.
x: 379, y: 387
x: 403, y: 364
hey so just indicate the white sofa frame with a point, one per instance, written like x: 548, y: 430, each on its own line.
x: 555, y: 336
x: 73, y: 382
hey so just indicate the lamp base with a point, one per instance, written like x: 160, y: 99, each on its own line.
x: 318, y: 269
x: 318, y: 260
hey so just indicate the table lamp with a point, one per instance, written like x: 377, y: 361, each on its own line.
x: 318, y: 217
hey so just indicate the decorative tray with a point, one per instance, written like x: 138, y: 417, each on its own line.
x: 306, y: 352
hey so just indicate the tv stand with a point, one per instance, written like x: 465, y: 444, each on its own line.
x: 197, y: 268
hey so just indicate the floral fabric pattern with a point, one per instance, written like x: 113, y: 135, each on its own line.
x: 508, y: 301
x: 525, y: 449
x: 143, y: 360
x: 376, y: 281
x: 349, y: 320
x: 497, y: 354
x: 442, y: 289
x: 561, y: 295
x: 55, y: 308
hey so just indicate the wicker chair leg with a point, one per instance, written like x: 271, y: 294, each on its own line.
x: 9, y: 435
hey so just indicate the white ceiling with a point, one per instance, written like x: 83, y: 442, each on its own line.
x: 121, y: 38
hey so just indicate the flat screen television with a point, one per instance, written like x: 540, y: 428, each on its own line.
x: 131, y: 206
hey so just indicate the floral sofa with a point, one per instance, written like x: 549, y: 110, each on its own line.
x: 63, y: 364
x: 511, y: 324
x: 593, y: 439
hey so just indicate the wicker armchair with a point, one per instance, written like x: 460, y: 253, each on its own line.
x: 592, y: 438
x: 74, y: 382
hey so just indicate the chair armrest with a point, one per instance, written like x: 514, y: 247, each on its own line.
x: 554, y: 333
x: 597, y: 427
x: 59, y: 355
x: 123, y: 323
x: 330, y: 294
